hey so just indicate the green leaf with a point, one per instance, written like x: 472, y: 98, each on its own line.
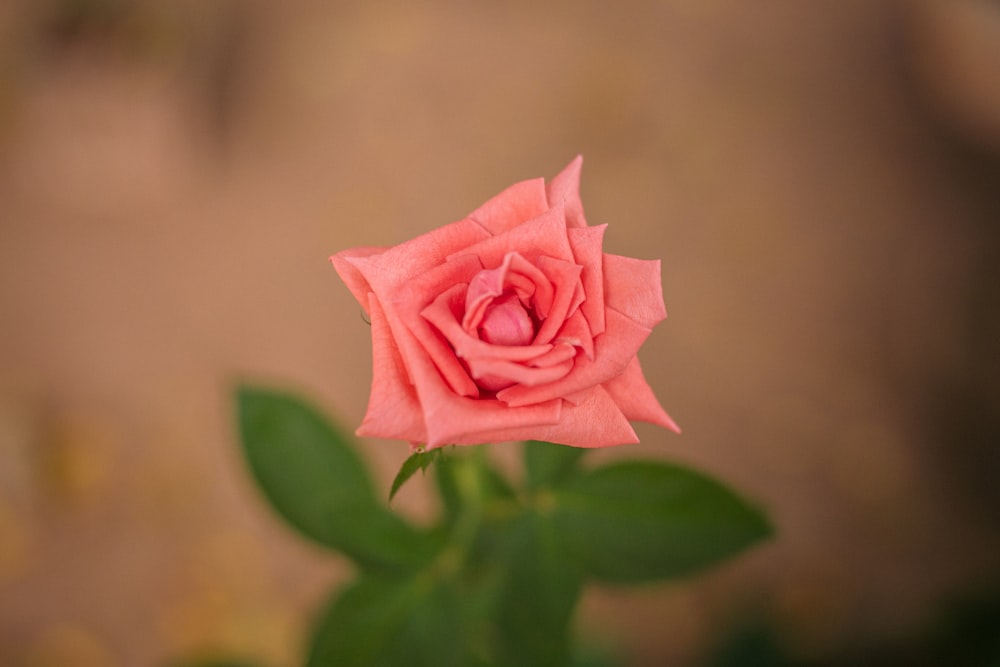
x: 386, y: 622
x: 314, y: 479
x: 538, y: 593
x: 418, y: 460
x: 546, y: 463
x: 639, y: 521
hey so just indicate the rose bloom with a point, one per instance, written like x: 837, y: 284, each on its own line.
x: 510, y: 324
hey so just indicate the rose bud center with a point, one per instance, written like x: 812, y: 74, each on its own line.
x: 507, y: 322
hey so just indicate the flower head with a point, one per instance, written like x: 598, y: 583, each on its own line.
x: 510, y: 324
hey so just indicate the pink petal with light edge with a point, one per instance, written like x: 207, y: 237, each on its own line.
x: 442, y: 313
x: 399, y: 264
x: 587, y: 245
x: 632, y: 287
x: 565, y: 276
x: 636, y: 399
x: 595, y: 422
x: 350, y: 274
x: 564, y: 190
x: 518, y: 203
x: 613, y: 350
x: 544, y: 235
x: 393, y: 409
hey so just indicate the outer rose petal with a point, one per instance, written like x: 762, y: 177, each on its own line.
x: 595, y: 422
x: 455, y: 420
x: 518, y: 203
x: 632, y: 287
x: 403, y: 312
x: 564, y: 190
x: 635, y: 398
x: 393, y: 407
x: 586, y: 243
x: 544, y: 235
x: 350, y: 274
x: 388, y: 271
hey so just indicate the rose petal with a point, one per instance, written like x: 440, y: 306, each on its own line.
x: 595, y: 422
x: 564, y: 190
x: 507, y: 323
x: 393, y: 268
x: 419, y: 291
x: 544, y: 235
x: 350, y: 274
x: 517, y: 374
x: 447, y: 416
x: 613, y: 350
x: 635, y: 398
x: 442, y: 313
x: 576, y: 397
x: 406, y: 305
x: 564, y: 276
x: 586, y: 243
x: 558, y: 354
x: 518, y: 203
x: 455, y: 420
x: 393, y: 408
x: 423, y: 350
x: 576, y: 332
x: 632, y: 287
x: 514, y: 272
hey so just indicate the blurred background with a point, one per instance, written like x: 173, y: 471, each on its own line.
x: 821, y: 181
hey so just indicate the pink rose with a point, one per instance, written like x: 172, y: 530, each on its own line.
x: 510, y: 324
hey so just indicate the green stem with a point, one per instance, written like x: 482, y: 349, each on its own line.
x: 468, y: 474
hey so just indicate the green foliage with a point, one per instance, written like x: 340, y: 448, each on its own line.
x: 539, y: 589
x: 384, y: 622
x: 315, y: 480
x: 493, y: 582
x: 418, y: 460
x: 546, y: 464
x: 639, y: 521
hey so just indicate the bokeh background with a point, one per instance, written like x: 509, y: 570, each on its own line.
x: 821, y: 181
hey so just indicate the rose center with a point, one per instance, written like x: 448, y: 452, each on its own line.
x: 507, y: 322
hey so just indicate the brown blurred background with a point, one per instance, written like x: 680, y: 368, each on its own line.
x: 821, y: 181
